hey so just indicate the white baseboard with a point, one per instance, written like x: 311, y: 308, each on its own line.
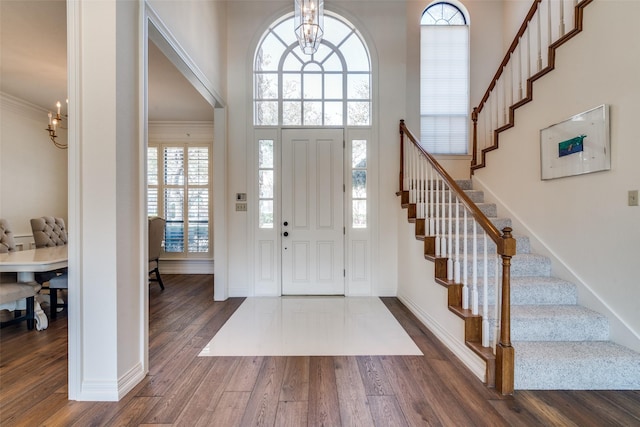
x: 186, y: 266
x: 111, y: 391
x: 476, y: 365
x: 129, y: 380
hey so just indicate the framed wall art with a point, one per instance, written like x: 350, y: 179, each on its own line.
x: 578, y: 145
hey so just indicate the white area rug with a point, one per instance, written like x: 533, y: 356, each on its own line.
x: 311, y: 326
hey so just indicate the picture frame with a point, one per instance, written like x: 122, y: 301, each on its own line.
x: 576, y: 146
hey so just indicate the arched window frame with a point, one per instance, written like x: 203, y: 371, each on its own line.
x: 444, y: 78
x: 331, y: 88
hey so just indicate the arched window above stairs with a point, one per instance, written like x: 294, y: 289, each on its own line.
x: 444, y: 79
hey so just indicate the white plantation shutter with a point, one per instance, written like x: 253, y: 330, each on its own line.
x: 179, y: 186
x: 444, y: 88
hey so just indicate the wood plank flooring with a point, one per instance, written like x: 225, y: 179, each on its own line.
x: 185, y: 390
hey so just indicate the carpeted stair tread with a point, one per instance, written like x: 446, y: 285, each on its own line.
x: 590, y: 365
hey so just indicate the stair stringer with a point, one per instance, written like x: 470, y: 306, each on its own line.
x: 620, y: 332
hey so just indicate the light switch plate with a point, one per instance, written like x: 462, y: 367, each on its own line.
x: 241, y: 207
x: 633, y: 197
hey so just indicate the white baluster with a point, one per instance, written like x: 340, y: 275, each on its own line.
x: 561, y: 29
x: 450, y: 245
x: 485, y: 297
x: 465, y: 261
x: 432, y: 230
x: 443, y: 241
x: 412, y: 192
x: 549, y: 26
x: 456, y: 266
x: 474, y: 289
x: 538, y: 19
x: 497, y: 303
x: 421, y: 186
x: 528, y: 48
x: 438, y: 208
x: 520, y: 88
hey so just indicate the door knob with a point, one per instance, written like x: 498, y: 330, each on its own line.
x: 285, y: 234
x: 286, y: 223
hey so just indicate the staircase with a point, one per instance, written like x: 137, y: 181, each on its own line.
x: 558, y: 343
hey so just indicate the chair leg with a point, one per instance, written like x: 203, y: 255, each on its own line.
x: 159, y: 279
x: 53, y: 302
x: 31, y: 320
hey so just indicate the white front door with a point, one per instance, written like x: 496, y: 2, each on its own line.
x: 312, y: 228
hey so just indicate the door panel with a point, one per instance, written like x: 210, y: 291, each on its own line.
x: 313, y: 211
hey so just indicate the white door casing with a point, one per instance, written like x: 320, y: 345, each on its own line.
x: 312, y: 222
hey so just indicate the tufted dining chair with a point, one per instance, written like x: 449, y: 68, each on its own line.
x: 7, y: 243
x: 12, y: 291
x: 156, y: 236
x: 48, y: 232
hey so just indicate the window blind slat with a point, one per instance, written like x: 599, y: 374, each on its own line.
x: 444, y: 88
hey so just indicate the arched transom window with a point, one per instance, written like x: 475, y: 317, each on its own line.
x: 332, y: 87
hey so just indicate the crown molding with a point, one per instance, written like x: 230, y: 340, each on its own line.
x: 20, y: 106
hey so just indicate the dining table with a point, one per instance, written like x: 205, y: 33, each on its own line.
x: 28, y: 262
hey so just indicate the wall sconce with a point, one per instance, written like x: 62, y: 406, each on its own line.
x: 54, y: 123
x: 309, y: 24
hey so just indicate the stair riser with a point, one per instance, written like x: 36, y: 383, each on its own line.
x: 576, y: 366
x: 557, y: 329
x: 438, y: 197
x: 522, y: 245
x: 542, y: 294
x: 520, y: 266
x: 488, y: 209
x: 500, y: 223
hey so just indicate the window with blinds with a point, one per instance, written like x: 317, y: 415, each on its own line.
x: 178, y: 190
x: 444, y: 80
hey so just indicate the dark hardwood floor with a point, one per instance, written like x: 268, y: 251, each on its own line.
x: 185, y: 390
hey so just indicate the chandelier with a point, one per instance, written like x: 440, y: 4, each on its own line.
x: 309, y: 24
x: 54, y: 123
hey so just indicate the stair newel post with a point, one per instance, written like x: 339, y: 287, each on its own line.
x: 505, y: 355
x: 402, y: 159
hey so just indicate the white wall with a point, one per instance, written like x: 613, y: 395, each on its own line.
x: 199, y: 27
x: 33, y: 172
x: 583, y: 220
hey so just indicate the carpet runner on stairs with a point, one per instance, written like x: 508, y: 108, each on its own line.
x: 558, y: 343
